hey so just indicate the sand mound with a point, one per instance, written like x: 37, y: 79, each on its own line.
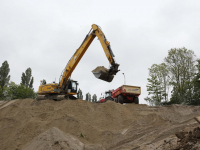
x: 57, y: 140
x: 6, y: 103
x: 26, y: 124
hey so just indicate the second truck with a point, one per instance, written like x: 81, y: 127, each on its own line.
x: 67, y: 87
x: 123, y: 94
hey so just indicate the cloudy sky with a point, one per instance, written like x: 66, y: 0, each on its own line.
x: 44, y: 34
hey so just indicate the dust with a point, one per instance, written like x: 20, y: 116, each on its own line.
x: 77, y: 124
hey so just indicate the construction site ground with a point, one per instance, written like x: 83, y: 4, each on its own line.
x: 81, y: 125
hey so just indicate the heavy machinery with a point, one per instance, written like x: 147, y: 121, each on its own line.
x: 67, y: 87
x: 123, y: 94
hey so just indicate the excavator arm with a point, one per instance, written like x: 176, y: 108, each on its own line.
x: 103, y: 74
x: 105, y: 44
x: 106, y: 75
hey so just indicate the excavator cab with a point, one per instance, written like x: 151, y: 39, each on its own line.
x: 72, y: 87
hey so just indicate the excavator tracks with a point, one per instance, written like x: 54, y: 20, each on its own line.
x: 56, y: 97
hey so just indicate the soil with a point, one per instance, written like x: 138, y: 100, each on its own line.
x: 99, y: 68
x: 76, y: 124
x: 189, y: 140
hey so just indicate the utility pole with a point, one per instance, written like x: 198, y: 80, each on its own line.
x: 124, y: 79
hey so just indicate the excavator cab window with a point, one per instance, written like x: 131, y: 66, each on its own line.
x: 74, y: 86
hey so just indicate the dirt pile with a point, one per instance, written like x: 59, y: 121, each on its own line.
x: 100, y: 68
x: 189, y: 140
x: 56, y: 140
x: 69, y: 124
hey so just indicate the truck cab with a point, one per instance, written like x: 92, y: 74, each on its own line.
x: 108, y: 93
x: 108, y: 96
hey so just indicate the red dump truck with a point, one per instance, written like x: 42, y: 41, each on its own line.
x: 123, y: 94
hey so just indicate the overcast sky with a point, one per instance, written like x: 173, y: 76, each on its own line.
x: 44, y: 34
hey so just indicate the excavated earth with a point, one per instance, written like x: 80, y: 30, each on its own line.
x: 81, y: 125
x: 100, y: 68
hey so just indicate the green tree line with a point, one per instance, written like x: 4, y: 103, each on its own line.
x: 176, y: 80
x: 10, y: 90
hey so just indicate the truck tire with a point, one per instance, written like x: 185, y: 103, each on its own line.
x: 120, y: 99
x: 109, y: 98
x: 136, y: 100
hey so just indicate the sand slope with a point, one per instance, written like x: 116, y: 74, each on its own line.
x: 48, y: 124
x: 54, y: 139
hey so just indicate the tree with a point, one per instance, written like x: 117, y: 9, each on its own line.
x: 181, y: 67
x: 26, y: 79
x: 196, y: 84
x: 15, y: 91
x: 94, y: 98
x: 79, y: 94
x: 158, y: 84
x: 88, y: 97
x: 1, y: 94
x: 9, y: 91
x: 23, y: 92
x: 4, y: 77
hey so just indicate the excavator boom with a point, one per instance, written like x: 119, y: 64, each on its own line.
x: 103, y: 74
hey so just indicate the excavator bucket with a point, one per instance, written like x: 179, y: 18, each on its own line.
x: 102, y: 73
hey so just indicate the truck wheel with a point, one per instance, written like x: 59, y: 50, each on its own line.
x: 136, y: 100
x: 109, y: 98
x: 120, y: 99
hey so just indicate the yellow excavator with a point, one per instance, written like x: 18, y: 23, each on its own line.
x: 67, y: 87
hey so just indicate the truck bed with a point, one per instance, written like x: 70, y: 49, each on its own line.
x: 131, y: 89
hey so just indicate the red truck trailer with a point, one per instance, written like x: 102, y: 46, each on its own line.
x: 123, y: 94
